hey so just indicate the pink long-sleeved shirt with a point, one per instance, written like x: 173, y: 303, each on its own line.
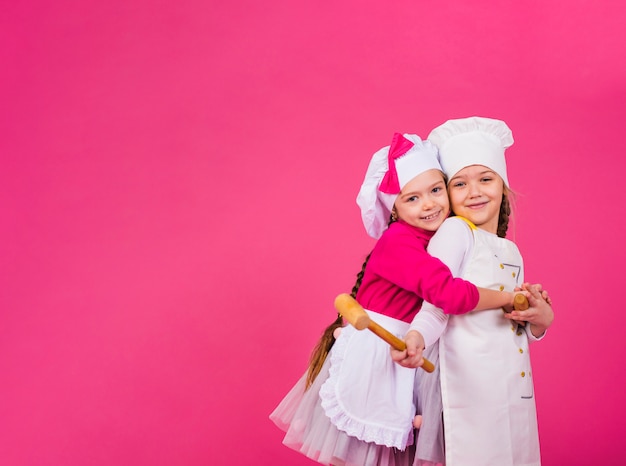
x: 400, y: 275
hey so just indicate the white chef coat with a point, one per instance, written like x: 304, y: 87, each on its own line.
x: 486, y: 377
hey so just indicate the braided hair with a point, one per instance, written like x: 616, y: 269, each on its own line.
x: 503, y: 218
x: 327, y: 340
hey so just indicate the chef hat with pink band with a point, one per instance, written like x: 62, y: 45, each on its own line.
x: 472, y: 141
x: 390, y: 169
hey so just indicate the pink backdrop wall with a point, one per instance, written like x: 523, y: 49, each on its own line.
x: 177, y: 207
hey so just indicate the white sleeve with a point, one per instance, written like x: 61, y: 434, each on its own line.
x: 453, y: 244
x: 533, y: 338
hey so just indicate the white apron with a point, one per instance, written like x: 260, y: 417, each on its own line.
x: 367, y: 395
x: 486, y: 378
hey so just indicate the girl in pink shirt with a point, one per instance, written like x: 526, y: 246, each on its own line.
x: 357, y: 407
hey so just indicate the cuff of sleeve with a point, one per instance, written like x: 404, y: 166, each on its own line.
x: 532, y: 337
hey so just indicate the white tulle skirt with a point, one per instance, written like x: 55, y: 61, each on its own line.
x: 430, y: 449
x: 311, y: 422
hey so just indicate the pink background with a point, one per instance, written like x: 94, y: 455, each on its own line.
x: 177, y: 207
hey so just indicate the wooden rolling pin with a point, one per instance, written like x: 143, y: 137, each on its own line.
x: 356, y: 316
x: 520, y: 302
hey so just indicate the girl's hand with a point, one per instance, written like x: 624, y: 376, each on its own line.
x: 412, y: 355
x: 539, y: 287
x: 539, y: 315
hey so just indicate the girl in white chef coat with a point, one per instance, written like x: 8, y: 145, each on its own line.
x: 478, y: 407
x: 357, y: 408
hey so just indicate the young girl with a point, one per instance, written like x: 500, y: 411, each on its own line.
x: 356, y: 407
x: 486, y: 390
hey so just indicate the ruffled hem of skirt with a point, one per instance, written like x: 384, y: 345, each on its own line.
x: 364, y: 431
x: 310, y: 432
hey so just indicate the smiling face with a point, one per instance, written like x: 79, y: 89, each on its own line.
x: 476, y: 194
x: 423, y: 201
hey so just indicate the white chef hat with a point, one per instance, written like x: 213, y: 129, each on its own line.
x: 472, y: 141
x: 410, y: 156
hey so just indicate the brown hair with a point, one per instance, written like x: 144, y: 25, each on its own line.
x: 327, y: 340
x: 505, y: 212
